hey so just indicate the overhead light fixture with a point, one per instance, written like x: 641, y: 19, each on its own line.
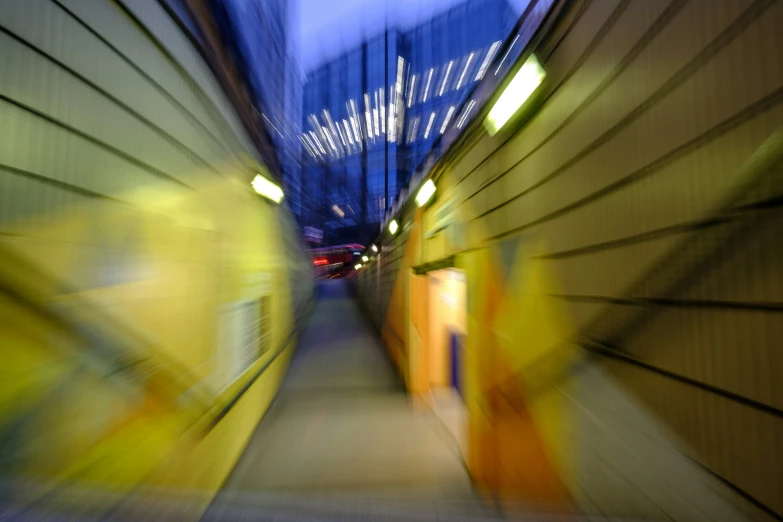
x: 393, y: 226
x: 446, y: 121
x: 467, y: 66
x: 365, y: 259
x: 525, y: 81
x: 374, y: 248
x: 508, y: 51
x: 425, y: 193
x: 412, y: 91
x: 358, y: 266
x: 427, y: 88
x: 487, y: 59
x: 267, y: 189
x: 446, y: 78
x: 429, y: 126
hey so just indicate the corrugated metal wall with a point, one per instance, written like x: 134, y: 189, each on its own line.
x: 651, y: 174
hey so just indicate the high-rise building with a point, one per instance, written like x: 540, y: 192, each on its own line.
x: 264, y: 41
x: 370, y: 116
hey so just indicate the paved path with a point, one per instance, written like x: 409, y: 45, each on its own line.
x: 342, y: 430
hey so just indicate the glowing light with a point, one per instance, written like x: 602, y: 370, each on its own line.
x: 413, y: 129
x: 429, y: 126
x: 338, y: 211
x: 393, y: 226
x: 507, y: 53
x: 490, y: 54
x: 425, y: 193
x: 446, y: 78
x: 412, y: 91
x: 340, y: 133
x: 393, y: 117
x: 526, y: 80
x: 315, y: 139
x: 466, y: 113
x: 272, y: 124
x: 358, y: 266
x: 306, y: 142
x: 427, y: 88
x: 319, y: 261
x: 325, y: 132
x: 367, y: 115
x: 375, y: 113
x: 357, y: 128
x: 365, y: 259
x: 398, y: 83
x: 396, y: 104
x: 356, y: 123
x: 383, y: 111
x: 348, y: 132
x: 374, y: 248
x: 337, y: 132
x: 267, y: 189
x: 465, y: 70
x: 446, y: 121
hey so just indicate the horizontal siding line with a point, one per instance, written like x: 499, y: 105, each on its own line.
x: 658, y: 233
x: 144, y: 74
x: 392, y: 254
x: 59, y: 184
x: 741, y: 492
x: 755, y: 109
x: 158, y: 130
x: 95, y: 141
x: 208, y: 102
x: 396, y: 247
x: 395, y: 253
x: 625, y: 61
x: 617, y: 354
x: 651, y: 235
x: 594, y: 42
x: 735, y: 214
x: 585, y: 5
x: 665, y: 302
x: 385, y: 261
x: 701, y: 58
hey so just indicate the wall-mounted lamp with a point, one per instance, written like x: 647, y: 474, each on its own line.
x: 267, y: 189
x: 425, y: 193
x: 524, y: 83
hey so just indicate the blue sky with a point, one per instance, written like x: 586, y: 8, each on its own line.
x: 328, y: 27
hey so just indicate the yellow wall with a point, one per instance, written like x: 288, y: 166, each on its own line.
x: 113, y: 431
x: 128, y: 228
x: 594, y: 219
x: 420, y: 332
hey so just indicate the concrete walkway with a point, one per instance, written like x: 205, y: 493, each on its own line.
x: 342, y: 435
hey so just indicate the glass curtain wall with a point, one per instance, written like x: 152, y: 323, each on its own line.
x: 371, y: 115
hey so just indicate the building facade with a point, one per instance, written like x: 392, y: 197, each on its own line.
x: 371, y: 115
x: 266, y: 48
